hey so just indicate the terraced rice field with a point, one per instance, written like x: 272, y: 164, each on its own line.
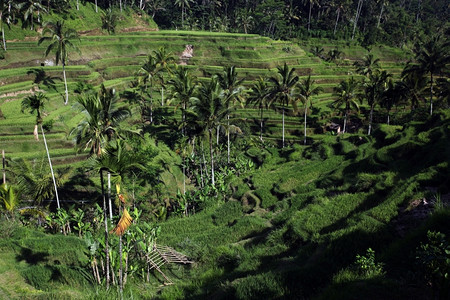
x: 113, y: 60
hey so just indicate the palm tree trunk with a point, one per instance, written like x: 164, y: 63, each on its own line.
x: 120, y: 266
x: 211, y: 156
x: 228, y: 139
x: 78, y: 6
x: 3, y: 36
x: 96, y: 6
x: 4, y: 166
x: 358, y: 12
x: 184, y: 173
x: 309, y: 17
x: 261, y: 125
x: 306, y: 109
x: 381, y: 13
x: 105, y: 217
x: 337, y: 20
x: 162, y: 96
x: 370, y: 120
x: 109, y: 196
x: 388, y: 118
x: 431, y: 93
x: 345, y: 122
x: 217, y: 135
x: 65, y: 83
x: 35, y: 132
x: 51, y: 167
x: 283, y: 126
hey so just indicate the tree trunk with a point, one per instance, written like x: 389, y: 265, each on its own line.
x: 283, y: 126
x: 96, y: 6
x: 309, y: 17
x: 65, y: 83
x: 105, y: 217
x: 51, y: 167
x: 337, y: 20
x: 217, y: 135
x: 431, y: 93
x: 212, y: 157
x: 306, y: 110
x: 388, y: 118
x: 345, y: 122
x: 4, y: 166
x: 379, y: 17
x: 370, y: 120
x: 162, y: 96
x: 120, y: 266
x: 78, y: 6
x: 261, y: 125
x: 228, y: 139
x: 35, y: 132
x: 358, y: 11
x: 109, y: 196
x: 3, y: 37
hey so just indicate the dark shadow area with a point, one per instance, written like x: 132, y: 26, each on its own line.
x: 30, y: 257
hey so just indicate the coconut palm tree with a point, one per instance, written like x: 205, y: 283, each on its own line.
x: 60, y: 41
x: 283, y: 87
x: 306, y: 90
x: 433, y: 58
x: 101, y: 121
x: 35, y: 103
x: 30, y: 11
x: 374, y: 88
x: 259, y: 97
x: 368, y: 65
x: 5, y: 18
x: 183, y: 4
x: 149, y: 75
x: 232, y: 90
x: 210, y: 110
x: 413, y: 86
x: 165, y: 61
x: 346, y: 93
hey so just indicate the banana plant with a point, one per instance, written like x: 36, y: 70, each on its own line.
x: 80, y: 225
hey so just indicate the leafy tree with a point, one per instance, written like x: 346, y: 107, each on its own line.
x: 283, y: 87
x: 60, y: 41
x: 346, y: 93
x: 306, y: 91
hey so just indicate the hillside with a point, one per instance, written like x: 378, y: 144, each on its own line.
x: 205, y: 165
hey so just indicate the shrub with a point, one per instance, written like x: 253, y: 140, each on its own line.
x: 366, y: 265
x: 267, y: 198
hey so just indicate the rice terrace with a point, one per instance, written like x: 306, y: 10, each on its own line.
x: 187, y: 149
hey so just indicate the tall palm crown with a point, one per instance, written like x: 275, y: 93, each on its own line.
x: 182, y: 89
x: 346, y: 93
x: 60, y: 42
x: 101, y: 122
x: 368, y: 65
x: 35, y: 104
x: 283, y: 87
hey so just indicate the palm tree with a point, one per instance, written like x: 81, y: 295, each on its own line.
x: 259, y: 95
x: 165, y: 61
x: 413, y: 86
x: 433, y: 58
x: 346, y: 93
x: 283, y: 87
x: 119, y: 160
x: 101, y: 122
x: 311, y: 4
x: 232, y: 90
x: 35, y: 103
x: 148, y: 73
x: 391, y: 96
x: 41, y: 77
x: 374, y: 89
x: 60, y: 41
x: 368, y: 65
x: 183, y: 4
x: 210, y: 110
x: 5, y: 17
x: 306, y: 91
x: 245, y: 19
x: 29, y: 9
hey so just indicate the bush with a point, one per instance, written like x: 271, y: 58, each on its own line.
x: 267, y: 198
